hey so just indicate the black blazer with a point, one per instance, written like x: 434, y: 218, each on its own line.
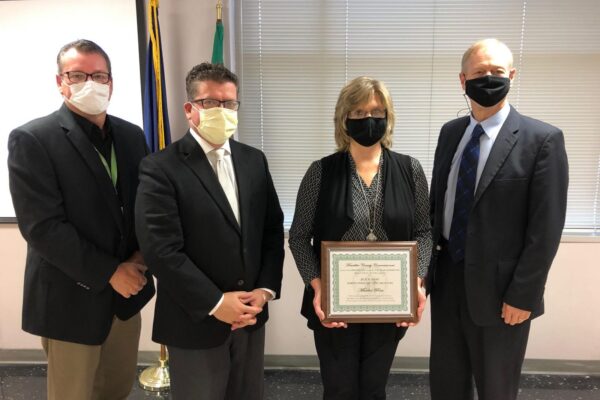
x: 195, y: 247
x: 517, y: 218
x: 70, y: 215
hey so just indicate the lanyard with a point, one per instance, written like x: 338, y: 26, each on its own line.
x: 112, y: 171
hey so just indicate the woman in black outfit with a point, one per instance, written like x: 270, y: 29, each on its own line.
x: 364, y: 191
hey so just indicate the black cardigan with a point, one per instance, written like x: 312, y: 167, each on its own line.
x: 334, y: 213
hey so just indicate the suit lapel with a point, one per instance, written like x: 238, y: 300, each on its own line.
x: 193, y: 156
x: 447, y: 155
x: 507, y: 137
x: 91, y: 159
x: 243, y: 181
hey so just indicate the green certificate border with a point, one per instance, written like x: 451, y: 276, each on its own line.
x: 403, y: 253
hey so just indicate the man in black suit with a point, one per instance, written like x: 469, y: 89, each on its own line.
x: 211, y: 230
x: 73, y: 180
x: 498, y: 201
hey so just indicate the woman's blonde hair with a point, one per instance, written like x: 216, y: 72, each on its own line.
x: 357, y: 92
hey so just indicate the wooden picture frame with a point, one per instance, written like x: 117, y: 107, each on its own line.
x: 369, y: 282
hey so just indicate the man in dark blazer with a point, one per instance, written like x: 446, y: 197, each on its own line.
x: 498, y: 201
x: 73, y: 180
x: 211, y: 231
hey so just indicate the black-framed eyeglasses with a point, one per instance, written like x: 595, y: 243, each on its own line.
x: 79, y: 76
x: 360, y: 114
x: 212, y: 103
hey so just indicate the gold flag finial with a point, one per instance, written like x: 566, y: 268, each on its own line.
x: 219, y: 10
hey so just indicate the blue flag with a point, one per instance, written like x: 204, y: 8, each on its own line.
x: 156, y: 115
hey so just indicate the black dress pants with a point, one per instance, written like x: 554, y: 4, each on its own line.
x: 462, y: 351
x: 355, y: 361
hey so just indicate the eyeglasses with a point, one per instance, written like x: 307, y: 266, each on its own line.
x: 212, y: 103
x: 78, y: 77
x: 360, y: 114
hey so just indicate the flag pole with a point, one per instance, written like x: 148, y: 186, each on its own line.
x: 156, y: 378
x: 219, y: 10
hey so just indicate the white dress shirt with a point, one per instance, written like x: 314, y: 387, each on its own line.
x: 207, y: 148
x: 491, y: 126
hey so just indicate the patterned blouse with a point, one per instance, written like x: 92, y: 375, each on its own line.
x: 301, y: 231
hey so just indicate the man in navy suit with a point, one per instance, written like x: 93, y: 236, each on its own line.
x: 211, y: 230
x: 73, y: 178
x: 498, y: 203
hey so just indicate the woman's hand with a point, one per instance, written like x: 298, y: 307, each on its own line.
x: 422, y: 301
x: 316, y: 285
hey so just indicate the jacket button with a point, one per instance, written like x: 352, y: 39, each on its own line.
x: 438, y: 247
x: 240, y: 282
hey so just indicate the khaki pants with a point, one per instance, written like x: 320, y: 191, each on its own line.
x: 105, y: 372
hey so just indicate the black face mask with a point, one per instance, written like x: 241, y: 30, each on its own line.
x: 488, y: 90
x: 366, y: 131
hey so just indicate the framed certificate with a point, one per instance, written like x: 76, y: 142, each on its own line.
x: 369, y: 281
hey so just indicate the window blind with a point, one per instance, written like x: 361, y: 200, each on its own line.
x: 293, y: 57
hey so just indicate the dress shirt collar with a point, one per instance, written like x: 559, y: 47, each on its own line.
x: 101, y: 139
x: 492, y: 125
x: 207, y: 147
x: 92, y: 129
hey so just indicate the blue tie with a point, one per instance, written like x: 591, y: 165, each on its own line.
x: 465, y: 193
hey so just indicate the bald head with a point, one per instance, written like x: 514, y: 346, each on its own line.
x: 493, y: 48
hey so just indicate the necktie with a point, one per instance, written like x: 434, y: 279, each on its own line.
x: 465, y: 193
x: 223, y: 174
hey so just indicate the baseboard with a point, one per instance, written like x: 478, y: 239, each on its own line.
x: 37, y: 356
x: 421, y: 365
x: 401, y: 364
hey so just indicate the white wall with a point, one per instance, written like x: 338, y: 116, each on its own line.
x: 569, y: 330
x: 32, y: 32
x: 566, y: 332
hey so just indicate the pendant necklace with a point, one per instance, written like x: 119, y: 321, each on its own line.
x: 371, y: 237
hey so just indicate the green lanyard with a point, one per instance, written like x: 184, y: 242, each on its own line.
x: 112, y: 171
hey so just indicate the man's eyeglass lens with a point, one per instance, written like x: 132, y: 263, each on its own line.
x: 78, y: 77
x: 211, y: 103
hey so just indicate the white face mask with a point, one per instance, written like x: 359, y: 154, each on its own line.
x: 90, y: 97
x: 217, y: 124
